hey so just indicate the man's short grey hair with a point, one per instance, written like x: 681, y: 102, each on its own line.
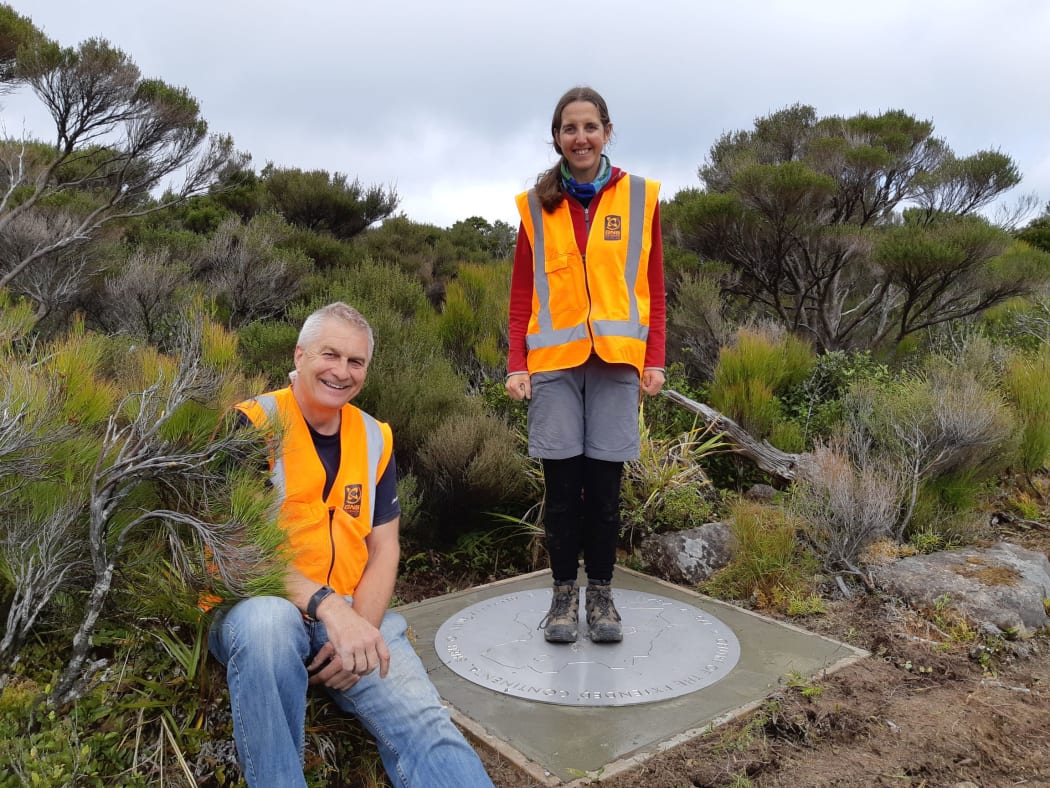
x: 338, y: 311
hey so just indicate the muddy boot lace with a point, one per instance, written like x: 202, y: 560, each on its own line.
x: 560, y: 623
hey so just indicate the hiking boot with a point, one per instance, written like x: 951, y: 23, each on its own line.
x: 602, y: 619
x: 561, y: 622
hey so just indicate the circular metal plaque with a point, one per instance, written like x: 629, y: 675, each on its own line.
x: 669, y: 648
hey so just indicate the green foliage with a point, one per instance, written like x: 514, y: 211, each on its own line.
x: 491, y: 241
x: 326, y: 252
x: 1025, y: 382
x: 115, y: 437
x: 514, y: 413
x: 751, y: 374
x: 161, y: 719
x: 267, y: 348
x: 768, y: 564
x: 472, y: 323
x: 401, y: 242
x: 803, y: 685
x: 1021, y: 323
x: 1037, y: 233
x: 409, y: 501
x: 666, y: 419
x: 430, y: 254
x: 944, y: 418
x: 54, y: 751
x: 817, y: 402
x: 801, y: 605
x: 16, y: 32
x: 946, y: 513
x: 809, y: 215
x: 500, y: 551
x: 666, y: 489
x: 471, y: 465
x: 16, y: 319
x: 1019, y: 264
x: 945, y: 428
x: 926, y: 540
x: 326, y: 202
x: 786, y: 191
x: 697, y: 323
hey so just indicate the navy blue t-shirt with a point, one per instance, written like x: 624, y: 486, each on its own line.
x: 329, y: 449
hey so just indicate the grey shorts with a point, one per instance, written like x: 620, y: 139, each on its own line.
x: 591, y: 409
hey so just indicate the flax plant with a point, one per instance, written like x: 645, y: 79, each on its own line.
x: 666, y: 488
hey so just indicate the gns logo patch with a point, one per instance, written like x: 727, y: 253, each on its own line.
x: 352, y: 500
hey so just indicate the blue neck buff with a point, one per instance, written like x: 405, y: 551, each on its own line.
x: 586, y: 191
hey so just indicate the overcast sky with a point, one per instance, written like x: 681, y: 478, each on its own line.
x: 450, y: 102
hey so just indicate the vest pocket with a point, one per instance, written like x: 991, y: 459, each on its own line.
x: 565, y: 282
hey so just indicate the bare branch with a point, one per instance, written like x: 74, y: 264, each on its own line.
x: 40, y: 555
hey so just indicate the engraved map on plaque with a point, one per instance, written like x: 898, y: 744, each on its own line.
x: 669, y: 648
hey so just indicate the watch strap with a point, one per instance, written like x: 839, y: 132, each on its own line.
x: 319, y: 596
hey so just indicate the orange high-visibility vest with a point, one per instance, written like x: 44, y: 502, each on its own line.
x: 598, y: 298
x: 325, y: 536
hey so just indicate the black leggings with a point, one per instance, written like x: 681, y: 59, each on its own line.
x: 582, y: 512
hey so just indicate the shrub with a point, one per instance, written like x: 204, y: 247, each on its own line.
x: 666, y: 488
x: 411, y: 383
x: 144, y: 297
x: 696, y: 323
x: 941, y: 421
x: 250, y: 276
x: 665, y: 418
x: 470, y: 464
x: 817, y: 402
x: 162, y: 718
x: 267, y: 348
x: 1025, y: 382
x: 473, y: 321
x: 849, y: 500
x: 768, y: 563
x: 750, y: 375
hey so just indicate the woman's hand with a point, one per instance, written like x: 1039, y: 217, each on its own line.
x: 652, y: 381
x: 518, y: 386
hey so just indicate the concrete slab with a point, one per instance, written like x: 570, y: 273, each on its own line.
x: 556, y: 743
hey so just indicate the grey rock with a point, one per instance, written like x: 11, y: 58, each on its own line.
x: 688, y: 557
x: 761, y: 492
x: 1000, y: 587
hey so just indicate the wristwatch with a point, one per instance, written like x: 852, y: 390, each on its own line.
x: 320, y: 595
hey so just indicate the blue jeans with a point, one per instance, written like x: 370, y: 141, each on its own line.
x: 265, y: 644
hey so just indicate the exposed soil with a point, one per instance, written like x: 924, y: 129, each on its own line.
x: 933, y: 706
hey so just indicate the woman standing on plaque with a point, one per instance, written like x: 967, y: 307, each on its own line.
x: 586, y: 338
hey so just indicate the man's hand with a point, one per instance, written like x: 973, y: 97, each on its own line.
x: 354, y: 649
x: 519, y: 386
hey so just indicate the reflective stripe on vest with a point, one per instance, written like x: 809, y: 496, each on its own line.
x: 374, y: 442
x: 630, y: 328
x: 548, y: 335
